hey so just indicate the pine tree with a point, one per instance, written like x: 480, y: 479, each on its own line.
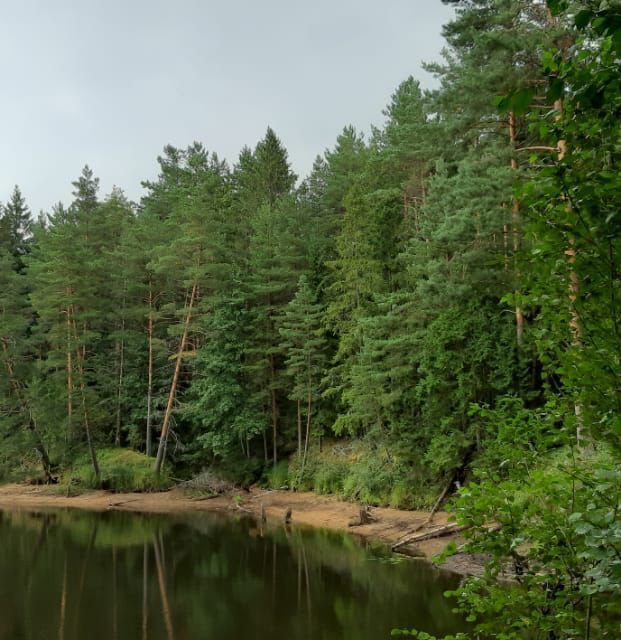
x: 305, y: 352
x: 197, y: 254
x: 275, y: 259
x: 16, y: 216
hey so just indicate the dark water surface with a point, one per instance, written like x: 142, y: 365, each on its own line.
x: 72, y: 575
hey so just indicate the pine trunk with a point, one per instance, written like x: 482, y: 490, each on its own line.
x: 149, y: 437
x: 299, y: 428
x: 161, y: 449
x: 274, y: 408
x: 575, y: 327
x: 89, y: 439
x: 309, y: 403
x: 69, y: 379
x: 119, y: 395
x: 515, y: 221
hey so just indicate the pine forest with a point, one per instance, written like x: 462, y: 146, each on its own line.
x: 431, y: 316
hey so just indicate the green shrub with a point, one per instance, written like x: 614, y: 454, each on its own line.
x: 330, y: 477
x: 302, y: 477
x: 278, y: 476
x: 120, y: 470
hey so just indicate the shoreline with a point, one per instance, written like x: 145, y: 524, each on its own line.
x: 389, y: 525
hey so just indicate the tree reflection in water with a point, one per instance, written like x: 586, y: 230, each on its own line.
x: 212, y: 577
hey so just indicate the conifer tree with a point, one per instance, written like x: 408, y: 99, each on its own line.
x: 16, y: 216
x: 275, y: 258
x: 305, y: 352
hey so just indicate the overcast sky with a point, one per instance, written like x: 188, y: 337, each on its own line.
x: 109, y: 83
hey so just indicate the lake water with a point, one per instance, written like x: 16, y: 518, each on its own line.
x: 71, y: 575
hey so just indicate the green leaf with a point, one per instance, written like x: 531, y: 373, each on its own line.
x: 583, y: 18
x: 520, y: 100
x: 556, y: 88
x: 557, y: 6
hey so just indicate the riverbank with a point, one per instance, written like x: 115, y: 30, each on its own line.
x: 388, y: 525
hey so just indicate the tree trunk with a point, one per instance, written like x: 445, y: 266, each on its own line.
x: 32, y: 425
x: 299, y: 428
x: 274, y: 408
x: 87, y: 427
x: 308, y: 421
x: 117, y: 437
x: 161, y: 449
x: 575, y: 327
x: 438, y: 532
x: 69, y: 378
x: 149, y: 437
x: 515, y: 221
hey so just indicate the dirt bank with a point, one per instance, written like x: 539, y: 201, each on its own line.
x: 389, y: 525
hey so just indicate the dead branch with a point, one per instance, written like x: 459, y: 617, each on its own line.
x: 438, y: 532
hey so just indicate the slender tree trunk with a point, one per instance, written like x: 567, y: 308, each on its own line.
x: 149, y: 437
x: 80, y: 354
x: 274, y: 408
x: 515, y: 221
x: 119, y: 395
x: 309, y: 406
x: 299, y: 428
x: 69, y: 378
x: 173, y: 387
x: 308, y: 424
x: 575, y: 326
x: 32, y: 425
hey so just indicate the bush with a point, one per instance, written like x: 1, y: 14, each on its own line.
x: 120, y: 470
x: 359, y: 472
x: 278, y: 476
x: 330, y: 477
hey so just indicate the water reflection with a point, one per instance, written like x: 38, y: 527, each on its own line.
x: 74, y: 575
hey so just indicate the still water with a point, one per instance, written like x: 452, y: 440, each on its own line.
x: 71, y: 575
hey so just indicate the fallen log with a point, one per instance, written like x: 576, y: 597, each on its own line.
x: 437, y: 532
x: 116, y: 505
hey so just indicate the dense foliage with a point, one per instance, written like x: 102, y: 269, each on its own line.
x: 436, y: 303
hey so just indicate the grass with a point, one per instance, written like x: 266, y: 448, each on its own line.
x: 358, y: 472
x: 121, y: 470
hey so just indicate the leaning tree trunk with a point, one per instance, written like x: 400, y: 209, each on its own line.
x: 32, y: 425
x: 161, y: 449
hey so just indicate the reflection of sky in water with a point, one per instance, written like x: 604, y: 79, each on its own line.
x: 115, y: 576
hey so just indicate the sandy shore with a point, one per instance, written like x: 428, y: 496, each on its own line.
x: 390, y: 525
